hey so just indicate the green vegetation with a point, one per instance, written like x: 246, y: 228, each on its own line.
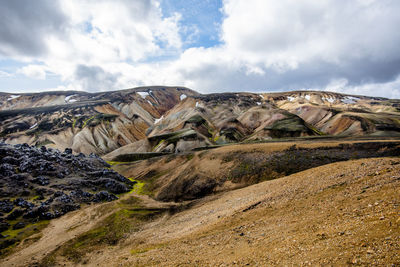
x: 138, y: 187
x: 74, y: 123
x: 87, y: 121
x: 127, y: 218
x: 149, y: 180
x: 114, y: 163
x: 130, y: 157
x: 92, y: 121
x: 256, y: 166
x: 158, y: 145
x: 19, y: 235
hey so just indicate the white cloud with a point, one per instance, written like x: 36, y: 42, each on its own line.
x: 4, y: 74
x: 348, y: 46
x: 388, y: 89
x: 101, y: 35
x: 290, y: 45
x: 33, y: 71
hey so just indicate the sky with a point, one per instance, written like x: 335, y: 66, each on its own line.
x: 348, y: 46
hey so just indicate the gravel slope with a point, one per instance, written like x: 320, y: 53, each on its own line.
x: 340, y: 214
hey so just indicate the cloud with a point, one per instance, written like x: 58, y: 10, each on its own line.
x: 109, y: 34
x: 308, y: 43
x: 4, y: 74
x: 94, y: 78
x: 33, y: 71
x: 388, y: 89
x: 26, y: 24
x: 351, y: 46
x: 289, y: 45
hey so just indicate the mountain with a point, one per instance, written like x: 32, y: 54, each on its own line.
x: 174, y: 119
x: 99, y: 122
x: 301, y: 177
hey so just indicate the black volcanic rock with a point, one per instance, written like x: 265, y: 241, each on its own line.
x: 18, y: 225
x: 42, y: 184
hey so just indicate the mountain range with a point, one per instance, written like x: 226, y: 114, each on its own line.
x: 175, y: 119
x: 166, y: 176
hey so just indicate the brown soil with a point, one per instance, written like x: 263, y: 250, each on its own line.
x: 344, y: 213
x: 339, y: 214
x: 191, y: 176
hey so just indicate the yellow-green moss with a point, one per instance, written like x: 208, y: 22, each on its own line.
x: 158, y: 145
x: 21, y: 234
x: 74, y: 123
x: 128, y: 216
x: 87, y: 121
x: 138, y: 187
x: 113, y: 163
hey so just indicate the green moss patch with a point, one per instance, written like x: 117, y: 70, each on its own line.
x: 114, y: 163
x: 138, y: 187
x: 19, y: 235
x: 130, y: 157
x: 128, y: 218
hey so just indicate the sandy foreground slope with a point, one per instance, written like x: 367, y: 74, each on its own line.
x: 342, y: 213
x: 345, y: 213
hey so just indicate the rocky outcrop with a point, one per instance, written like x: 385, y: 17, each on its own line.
x: 41, y: 184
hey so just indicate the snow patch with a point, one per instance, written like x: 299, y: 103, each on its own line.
x: 258, y: 103
x: 69, y: 99
x: 308, y: 97
x: 291, y: 98
x: 143, y: 94
x: 261, y: 96
x: 13, y: 97
x: 158, y: 120
x: 329, y: 99
x: 350, y: 99
x: 33, y: 126
x: 183, y: 96
x: 197, y: 104
x: 149, y: 102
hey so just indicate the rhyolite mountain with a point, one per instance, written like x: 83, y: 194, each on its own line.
x: 174, y: 119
